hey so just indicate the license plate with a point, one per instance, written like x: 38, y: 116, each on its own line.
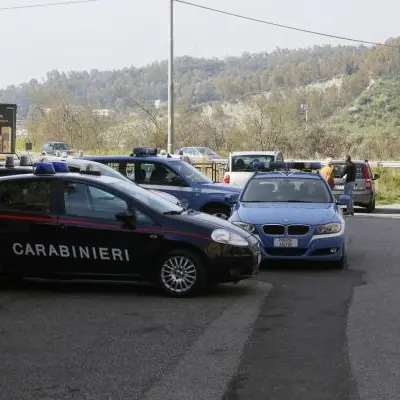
x: 339, y: 187
x: 286, y: 242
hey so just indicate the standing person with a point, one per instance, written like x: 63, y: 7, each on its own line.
x: 327, y: 173
x: 349, y: 178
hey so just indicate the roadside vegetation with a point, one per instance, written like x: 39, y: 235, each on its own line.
x: 388, y: 185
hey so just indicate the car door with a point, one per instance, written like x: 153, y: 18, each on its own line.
x: 98, y: 243
x: 28, y: 226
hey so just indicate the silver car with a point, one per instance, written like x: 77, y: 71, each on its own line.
x: 364, y: 192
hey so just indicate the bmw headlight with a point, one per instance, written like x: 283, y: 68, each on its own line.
x: 225, y: 236
x: 326, y: 229
x: 247, y: 227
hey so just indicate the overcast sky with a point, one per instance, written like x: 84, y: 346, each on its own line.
x: 111, y: 34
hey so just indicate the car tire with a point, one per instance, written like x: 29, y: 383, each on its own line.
x: 371, y: 206
x: 219, y: 211
x: 191, y: 279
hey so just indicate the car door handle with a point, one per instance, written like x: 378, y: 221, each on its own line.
x: 153, y: 236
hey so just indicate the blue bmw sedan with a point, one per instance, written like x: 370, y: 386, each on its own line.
x: 294, y: 215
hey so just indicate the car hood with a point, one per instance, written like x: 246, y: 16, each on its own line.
x: 222, y: 187
x: 287, y: 213
x: 210, y: 222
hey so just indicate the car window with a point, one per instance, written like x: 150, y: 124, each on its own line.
x: 338, y: 170
x: 244, y: 163
x: 157, y: 174
x: 206, y: 151
x: 191, y: 173
x: 287, y: 190
x: 32, y: 195
x: 85, y: 200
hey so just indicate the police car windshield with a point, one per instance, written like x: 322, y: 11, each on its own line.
x: 244, y: 163
x: 190, y: 173
x: 151, y: 200
x: 287, y: 190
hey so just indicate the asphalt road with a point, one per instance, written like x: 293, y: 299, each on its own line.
x: 297, y: 332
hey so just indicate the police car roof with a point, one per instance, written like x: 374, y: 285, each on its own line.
x: 287, y: 174
x: 64, y: 175
x: 117, y: 158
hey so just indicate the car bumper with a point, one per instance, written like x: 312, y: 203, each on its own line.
x: 319, y: 249
x: 361, y: 198
x: 232, y: 264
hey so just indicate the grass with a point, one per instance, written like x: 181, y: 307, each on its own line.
x: 387, y: 186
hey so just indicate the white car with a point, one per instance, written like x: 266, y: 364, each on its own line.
x: 77, y: 164
x: 239, y: 168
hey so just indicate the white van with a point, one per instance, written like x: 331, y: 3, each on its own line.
x: 239, y: 169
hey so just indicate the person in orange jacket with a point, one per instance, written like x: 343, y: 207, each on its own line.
x: 327, y: 172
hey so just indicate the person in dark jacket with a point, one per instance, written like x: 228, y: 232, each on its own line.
x: 349, y: 178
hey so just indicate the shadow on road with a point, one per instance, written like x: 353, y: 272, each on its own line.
x: 298, y: 266
x: 112, y: 288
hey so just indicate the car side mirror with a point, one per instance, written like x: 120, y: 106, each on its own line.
x: 343, y: 200
x: 128, y: 218
x: 376, y: 176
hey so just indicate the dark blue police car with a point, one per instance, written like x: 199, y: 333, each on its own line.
x: 84, y: 225
x: 177, y: 177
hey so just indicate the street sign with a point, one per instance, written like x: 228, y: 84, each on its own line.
x: 8, y: 122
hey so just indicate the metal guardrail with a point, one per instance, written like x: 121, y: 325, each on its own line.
x: 385, y: 164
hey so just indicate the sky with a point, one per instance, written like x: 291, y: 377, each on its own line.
x: 113, y: 34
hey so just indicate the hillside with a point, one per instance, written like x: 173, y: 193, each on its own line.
x: 197, y: 80
x: 307, y: 102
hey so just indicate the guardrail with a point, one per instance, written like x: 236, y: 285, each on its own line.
x: 385, y: 164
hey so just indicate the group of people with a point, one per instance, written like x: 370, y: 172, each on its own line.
x: 348, y: 177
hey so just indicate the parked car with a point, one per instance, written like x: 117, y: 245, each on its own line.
x: 240, y: 165
x: 199, y: 154
x: 364, y: 194
x: 292, y: 211
x: 56, y: 224
x: 53, y: 148
x: 174, y: 176
x: 79, y: 164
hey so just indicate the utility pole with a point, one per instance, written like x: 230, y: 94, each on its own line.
x: 171, y: 79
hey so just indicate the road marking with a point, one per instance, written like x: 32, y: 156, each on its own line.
x: 204, y: 373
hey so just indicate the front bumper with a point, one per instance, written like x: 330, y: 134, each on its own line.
x: 232, y: 264
x: 319, y: 248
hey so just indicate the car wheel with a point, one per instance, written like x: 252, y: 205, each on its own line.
x: 218, y: 211
x: 181, y: 273
x: 371, y: 206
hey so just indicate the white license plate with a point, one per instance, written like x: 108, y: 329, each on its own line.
x: 286, y: 242
x: 339, y: 187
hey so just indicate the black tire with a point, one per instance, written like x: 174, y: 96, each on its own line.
x: 217, y: 210
x: 371, y: 206
x: 190, y: 270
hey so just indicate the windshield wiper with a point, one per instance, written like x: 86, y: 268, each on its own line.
x: 174, y: 212
x: 297, y: 201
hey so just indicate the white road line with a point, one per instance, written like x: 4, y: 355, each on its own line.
x: 205, y: 371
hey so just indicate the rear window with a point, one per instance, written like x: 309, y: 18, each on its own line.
x: 338, y: 170
x: 244, y: 163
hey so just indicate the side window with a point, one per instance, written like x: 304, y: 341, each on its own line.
x: 159, y: 174
x: 105, y: 204
x: 32, y: 195
x: 88, y: 201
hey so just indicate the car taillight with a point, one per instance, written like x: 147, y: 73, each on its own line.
x: 227, y: 178
x: 367, y: 177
